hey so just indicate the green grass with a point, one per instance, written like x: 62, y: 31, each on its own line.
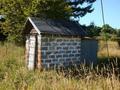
x: 15, y: 76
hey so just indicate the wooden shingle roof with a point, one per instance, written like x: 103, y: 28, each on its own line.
x: 49, y: 26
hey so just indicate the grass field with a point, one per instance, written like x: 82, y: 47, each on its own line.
x: 15, y: 76
x: 113, y: 49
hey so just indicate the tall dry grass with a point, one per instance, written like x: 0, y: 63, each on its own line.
x: 113, y: 49
x: 11, y: 51
x: 15, y: 76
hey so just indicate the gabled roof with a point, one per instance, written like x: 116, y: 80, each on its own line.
x: 61, y: 27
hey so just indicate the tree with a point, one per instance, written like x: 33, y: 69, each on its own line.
x: 93, y: 30
x: 2, y: 36
x: 108, y: 32
x: 55, y: 9
x: 118, y: 32
x: 81, y: 7
x: 16, y: 11
x: 108, y: 29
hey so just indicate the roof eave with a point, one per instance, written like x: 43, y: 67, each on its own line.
x: 35, y: 27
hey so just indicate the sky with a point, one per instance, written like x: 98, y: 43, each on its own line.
x: 111, y: 12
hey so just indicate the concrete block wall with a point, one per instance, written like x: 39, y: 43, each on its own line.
x: 57, y: 51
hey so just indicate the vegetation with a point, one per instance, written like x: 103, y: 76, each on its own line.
x: 92, y: 30
x: 79, y: 9
x: 113, y: 48
x: 2, y: 36
x: 15, y: 76
x: 102, y: 32
x: 16, y: 11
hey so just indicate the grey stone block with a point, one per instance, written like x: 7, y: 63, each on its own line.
x: 47, y: 61
x: 72, y: 40
x: 44, y: 39
x: 68, y: 51
x: 74, y: 43
x: 59, y: 40
x: 51, y: 48
x: 68, y: 59
x: 71, y: 55
x: 77, y: 55
x: 61, y: 51
x: 69, y: 43
x: 48, y: 52
x: 52, y: 56
x: 43, y: 53
x: 58, y: 56
x: 63, y: 43
x: 66, y: 48
x: 65, y: 55
x: 55, y: 60
x: 44, y: 56
x: 44, y: 48
x: 46, y: 44
x: 51, y: 39
x: 59, y: 48
x: 62, y: 60
x: 74, y: 51
x: 71, y: 47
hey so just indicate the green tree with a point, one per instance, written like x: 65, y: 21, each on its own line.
x: 108, y: 29
x: 16, y: 11
x: 81, y: 7
x: 93, y: 30
x: 108, y: 32
x: 118, y: 32
x: 55, y: 9
x: 2, y: 36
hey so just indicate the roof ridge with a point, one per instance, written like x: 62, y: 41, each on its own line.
x: 55, y: 26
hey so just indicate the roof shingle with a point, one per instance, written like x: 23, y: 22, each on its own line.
x: 61, y: 27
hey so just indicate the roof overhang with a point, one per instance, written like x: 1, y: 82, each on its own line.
x: 33, y: 24
x: 57, y: 27
x: 29, y: 24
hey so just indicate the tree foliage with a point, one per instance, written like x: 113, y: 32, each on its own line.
x: 108, y: 29
x: 108, y: 32
x: 93, y: 30
x: 81, y: 7
x: 118, y: 32
x: 2, y: 36
x: 55, y: 9
x: 16, y: 11
x: 104, y: 32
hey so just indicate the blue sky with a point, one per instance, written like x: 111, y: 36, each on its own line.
x: 111, y: 10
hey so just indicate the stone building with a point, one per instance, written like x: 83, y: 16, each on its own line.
x: 56, y: 43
